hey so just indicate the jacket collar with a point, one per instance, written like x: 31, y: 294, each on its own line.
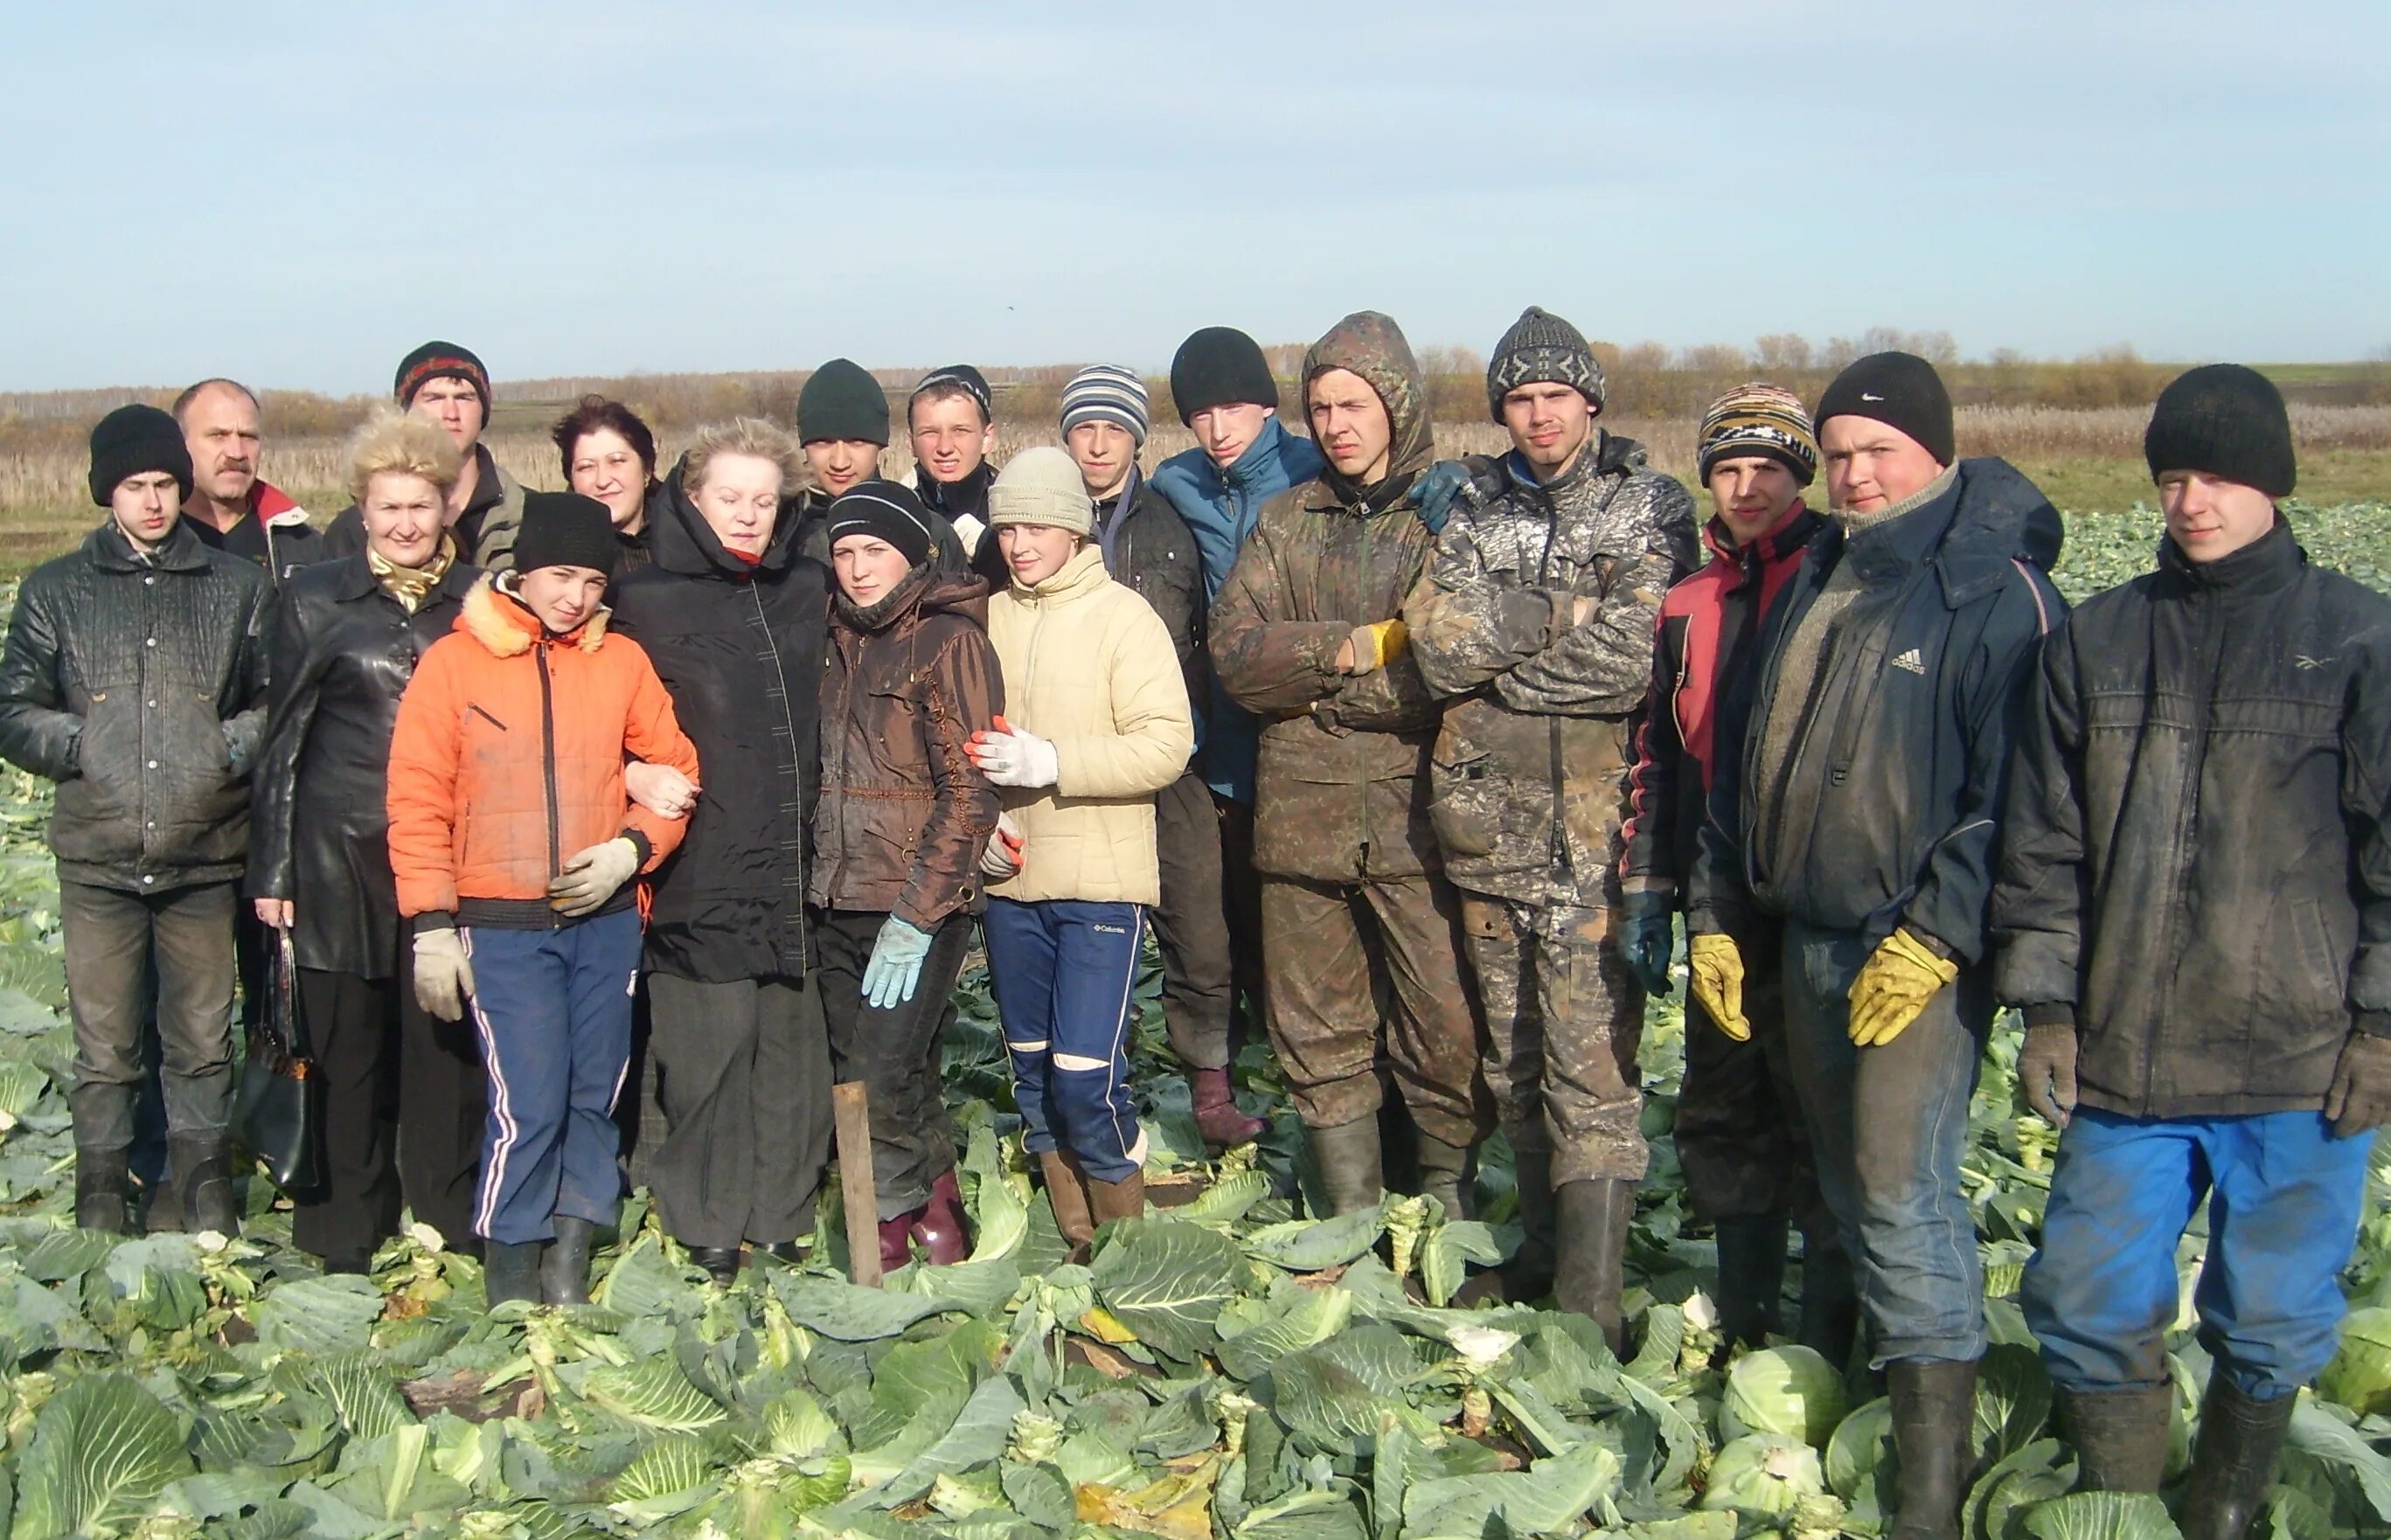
x: 2265, y: 564
x: 1082, y: 575
x: 1260, y: 464
x: 506, y: 627
x: 1780, y: 540
x: 682, y: 543
x: 924, y: 589
x: 1975, y: 525
x: 489, y: 489
x: 272, y: 506
x: 179, y: 552
x: 357, y: 580
x: 968, y: 495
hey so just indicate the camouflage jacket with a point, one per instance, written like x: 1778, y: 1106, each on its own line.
x: 1529, y: 780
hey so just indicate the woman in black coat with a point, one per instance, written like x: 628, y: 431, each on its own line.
x: 345, y: 639
x: 735, y: 622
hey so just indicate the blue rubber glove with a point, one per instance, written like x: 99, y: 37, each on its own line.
x: 1647, y: 941
x: 1434, y: 496
x: 896, y: 967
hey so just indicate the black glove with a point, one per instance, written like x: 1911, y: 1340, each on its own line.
x: 2046, y: 1071
x: 2361, y: 1099
x: 1647, y: 939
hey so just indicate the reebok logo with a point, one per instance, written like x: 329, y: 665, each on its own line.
x: 1912, y: 661
x: 2303, y: 661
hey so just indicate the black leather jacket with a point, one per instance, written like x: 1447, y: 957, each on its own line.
x: 138, y: 685
x: 343, y: 651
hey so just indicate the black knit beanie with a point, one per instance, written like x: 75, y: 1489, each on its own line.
x: 885, y: 510
x: 1541, y: 347
x: 962, y: 375
x: 437, y: 361
x: 1220, y: 367
x: 565, y: 529
x: 132, y: 439
x: 1899, y: 389
x: 842, y: 400
x: 2223, y: 420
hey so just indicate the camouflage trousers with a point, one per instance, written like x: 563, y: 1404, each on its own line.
x: 1352, y: 971
x: 1564, y: 1014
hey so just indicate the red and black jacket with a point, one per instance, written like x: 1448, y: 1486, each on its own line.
x: 1708, y: 623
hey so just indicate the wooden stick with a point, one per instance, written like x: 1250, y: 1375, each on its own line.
x: 851, y: 1115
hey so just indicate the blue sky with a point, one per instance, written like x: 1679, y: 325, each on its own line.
x: 297, y: 194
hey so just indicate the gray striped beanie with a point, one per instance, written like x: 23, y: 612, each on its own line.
x: 1106, y: 393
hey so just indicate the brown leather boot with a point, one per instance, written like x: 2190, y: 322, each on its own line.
x: 1065, y: 1191
x: 1121, y: 1199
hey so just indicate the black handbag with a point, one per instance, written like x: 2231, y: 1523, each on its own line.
x: 280, y: 1112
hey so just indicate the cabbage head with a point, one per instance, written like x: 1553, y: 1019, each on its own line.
x: 2360, y: 1375
x: 1791, y: 1391
x: 1766, y: 1473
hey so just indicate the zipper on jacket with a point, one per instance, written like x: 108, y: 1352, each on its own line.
x: 548, y: 759
x: 797, y: 812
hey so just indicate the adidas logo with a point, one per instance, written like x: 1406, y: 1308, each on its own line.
x: 1912, y: 661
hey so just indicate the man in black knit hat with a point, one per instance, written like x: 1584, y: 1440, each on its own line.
x: 1859, y: 807
x: 135, y: 677
x: 843, y: 423
x: 2194, y: 914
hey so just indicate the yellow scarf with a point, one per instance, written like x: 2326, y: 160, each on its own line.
x: 409, y: 584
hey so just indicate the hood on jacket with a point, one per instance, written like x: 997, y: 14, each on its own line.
x: 682, y: 543
x: 926, y: 589
x: 506, y: 627
x: 1370, y: 344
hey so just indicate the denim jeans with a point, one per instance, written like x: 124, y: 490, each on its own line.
x: 1888, y: 1125
x: 2284, y: 1197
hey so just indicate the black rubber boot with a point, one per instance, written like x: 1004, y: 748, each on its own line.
x: 1589, y: 1272
x: 510, y: 1271
x: 1830, y: 1303
x: 1348, y: 1155
x: 102, y: 1179
x: 202, y: 1170
x: 2234, y: 1464
x: 1933, y: 1420
x: 1529, y: 1275
x: 1750, y: 1280
x: 2120, y: 1436
x: 1449, y: 1175
x: 721, y: 1262
x: 564, y: 1272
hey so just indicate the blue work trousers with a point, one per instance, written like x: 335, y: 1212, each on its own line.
x: 1065, y: 973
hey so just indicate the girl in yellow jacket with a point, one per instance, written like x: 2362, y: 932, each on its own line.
x: 1098, y: 722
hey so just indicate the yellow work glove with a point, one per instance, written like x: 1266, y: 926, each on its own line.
x: 1716, y: 968
x: 1893, y: 986
x: 1376, y: 646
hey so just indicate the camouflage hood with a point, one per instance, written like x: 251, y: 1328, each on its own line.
x: 1371, y: 345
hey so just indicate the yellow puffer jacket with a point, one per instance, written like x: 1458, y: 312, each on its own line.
x: 1089, y: 665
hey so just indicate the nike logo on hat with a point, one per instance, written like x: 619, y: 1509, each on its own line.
x: 1864, y: 396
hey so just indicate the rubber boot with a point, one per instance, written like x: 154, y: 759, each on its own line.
x: 1068, y: 1193
x: 1589, y: 1272
x: 510, y: 1271
x: 790, y: 1252
x: 1217, y: 1116
x: 1528, y: 1276
x: 565, y: 1271
x: 2233, y: 1463
x: 1831, y: 1302
x: 204, y: 1173
x: 1121, y: 1199
x: 102, y: 1179
x: 1750, y: 1281
x: 897, y: 1241
x: 1348, y: 1155
x: 721, y: 1262
x: 161, y: 1206
x: 941, y: 1225
x: 2120, y: 1436
x: 1449, y: 1175
x: 1933, y: 1416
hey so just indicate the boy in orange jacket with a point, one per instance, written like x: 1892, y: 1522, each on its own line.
x: 514, y: 846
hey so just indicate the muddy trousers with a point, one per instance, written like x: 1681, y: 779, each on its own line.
x: 894, y: 1052
x: 553, y: 1008
x: 1739, y: 1131
x: 1351, y: 967
x: 1888, y: 1127
x: 743, y: 1078
x: 1191, y: 925
x: 111, y: 939
x: 2283, y: 1197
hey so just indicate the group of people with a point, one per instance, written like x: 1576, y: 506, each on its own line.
x: 716, y: 769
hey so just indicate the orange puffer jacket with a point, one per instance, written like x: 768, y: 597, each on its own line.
x: 507, y: 760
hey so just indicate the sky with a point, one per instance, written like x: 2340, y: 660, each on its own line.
x: 296, y: 195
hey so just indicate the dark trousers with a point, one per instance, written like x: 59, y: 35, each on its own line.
x: 443, y: 1103
x: 743, y: 1078
x: 352, y: 1032
x: 1191, y: 925
x: 113, y: 942
x: 1066, y: 978
x: 554, y: 1011
x: 1738, y: 1129
x: 639, y: 1114
x: 895, y: 1053
x: 1241, y: 897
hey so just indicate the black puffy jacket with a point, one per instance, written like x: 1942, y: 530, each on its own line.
x: 138, y: 685
x: 739, y: 650
x: 342, y: 651
x: 1901, y: 755
x: 2197, y: 864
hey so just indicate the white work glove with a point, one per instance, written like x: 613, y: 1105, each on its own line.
x: 444, y: 979
x: 1010, y: 757
x: 1001, y: 856
x: 591, y: 878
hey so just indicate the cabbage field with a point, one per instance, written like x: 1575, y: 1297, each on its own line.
x: 1223, y: 1369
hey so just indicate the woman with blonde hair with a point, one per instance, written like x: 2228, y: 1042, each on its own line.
x: 345, y: 638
